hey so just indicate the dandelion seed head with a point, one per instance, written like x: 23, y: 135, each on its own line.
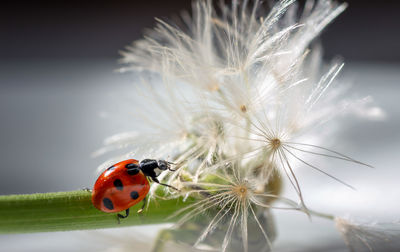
x: 232, y: 90
x: 243, y: 108
x: 241, y: 191
x: 234, y: 201
x: 275, y: 144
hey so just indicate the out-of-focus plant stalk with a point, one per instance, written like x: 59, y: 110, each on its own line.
x: 63, y: 211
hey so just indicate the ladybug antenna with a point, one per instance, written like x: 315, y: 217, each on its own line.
x: 170, y: 163
x: 176, y: 164
x: 179, y: 164
x: 169, y: 167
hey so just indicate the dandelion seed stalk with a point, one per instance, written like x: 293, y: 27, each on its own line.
x: 64, y: 211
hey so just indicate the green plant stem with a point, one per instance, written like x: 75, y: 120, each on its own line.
x: 62, y: 211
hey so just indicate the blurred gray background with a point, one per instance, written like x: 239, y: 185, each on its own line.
x: 60, y: 97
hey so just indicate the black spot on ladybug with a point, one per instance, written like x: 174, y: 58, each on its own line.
x: 108, y: 203
x: 111, y: 168
x: 133, y: 171
x: 118, y: 184
x: 131, y: 166
x: 134, y: 195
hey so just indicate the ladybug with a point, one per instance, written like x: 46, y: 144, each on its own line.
x: 125, y: 184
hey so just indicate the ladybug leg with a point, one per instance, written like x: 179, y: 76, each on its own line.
x: 143, y: 206
x: 158, y: 182
x: 120, y: 216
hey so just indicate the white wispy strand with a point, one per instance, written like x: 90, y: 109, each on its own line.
x: 372, y: 237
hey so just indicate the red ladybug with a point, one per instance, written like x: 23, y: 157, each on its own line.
x: 125, y: 184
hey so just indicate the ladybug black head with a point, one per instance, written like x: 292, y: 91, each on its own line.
x: 153, y: 168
